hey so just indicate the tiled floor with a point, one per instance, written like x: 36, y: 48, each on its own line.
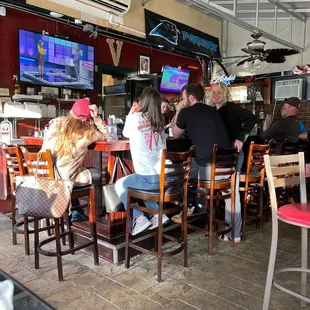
x: 233, y: 278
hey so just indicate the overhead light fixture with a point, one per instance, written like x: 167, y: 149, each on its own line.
x: 246, y: 65
x: 56, y: 15
x: 257, y: 63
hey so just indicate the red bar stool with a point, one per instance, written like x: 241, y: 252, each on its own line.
x: 282, y: 171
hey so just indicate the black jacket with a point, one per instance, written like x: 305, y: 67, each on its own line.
x: 238, y: 121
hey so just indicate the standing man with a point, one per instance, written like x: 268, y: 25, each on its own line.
x: 286, y: 128
x: 205, y: 127
x: 76, y: 62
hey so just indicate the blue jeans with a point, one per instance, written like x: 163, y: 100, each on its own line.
x: 204, y: 173
x: 137, y: 181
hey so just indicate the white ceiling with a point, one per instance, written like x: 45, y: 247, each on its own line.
x: 248, y: 14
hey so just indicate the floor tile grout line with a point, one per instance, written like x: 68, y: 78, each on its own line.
x: 234, y: 289
x: 117, y: 282
x: 214, y: 295
x: 188, y: 304
x: 107, y: 301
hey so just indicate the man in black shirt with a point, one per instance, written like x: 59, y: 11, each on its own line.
x: 205, y: 128
x: 287, y: 128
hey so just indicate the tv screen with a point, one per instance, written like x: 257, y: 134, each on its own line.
x: 173, y: 79
x: 52, y: 61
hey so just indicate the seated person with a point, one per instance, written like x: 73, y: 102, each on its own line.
x: 287, y: 128
x: 205, y: 128
x: 68, y: 138
x: 144, y: 127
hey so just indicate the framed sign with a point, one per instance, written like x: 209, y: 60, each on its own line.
x: 144, y: 64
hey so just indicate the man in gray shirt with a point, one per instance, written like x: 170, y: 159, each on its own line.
x: 288, y: 128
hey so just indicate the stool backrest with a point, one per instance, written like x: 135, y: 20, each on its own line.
x: 283, y: 171
x: 224, y: 162
x: 39, y: 164
x: 255, y: 161
x: 13, y: 163
x: 289, y: 147
x: 175, y: 168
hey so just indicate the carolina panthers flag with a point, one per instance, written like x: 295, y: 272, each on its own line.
x: 169, y: 33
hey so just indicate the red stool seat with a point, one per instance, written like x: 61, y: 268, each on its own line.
x: 298, y: 213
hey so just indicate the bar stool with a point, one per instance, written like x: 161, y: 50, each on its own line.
x: 174, y: 174
x: 287, y: 170
x: 220, y: 186
x: 253, y: 180
x: 15, y: 168
x: 45, y: 168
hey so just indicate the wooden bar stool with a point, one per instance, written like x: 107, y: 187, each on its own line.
x: 281, y: 171
x: 45, y: 169
x: 174, y: 174
x: 252, y: 181
x: 16, y: 167
x: 220, y: 186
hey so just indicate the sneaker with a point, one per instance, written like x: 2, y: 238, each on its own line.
x: 154, y: 220
x: 178, y: 218
x: 299, y: 70
x: 307, y: 68
x: 140, y: 224
x: 225, y: 238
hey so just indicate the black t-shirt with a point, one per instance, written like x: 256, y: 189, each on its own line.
x: 238, y: 121
x: 205, y: 128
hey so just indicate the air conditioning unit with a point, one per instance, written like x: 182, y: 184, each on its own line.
x: 289, y: 88
x: 118, y: 7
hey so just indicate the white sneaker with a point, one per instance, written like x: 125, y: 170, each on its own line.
x: 299, y: 70
x: 140, y: 224
x: 154, y: 220
x: 178, y: 218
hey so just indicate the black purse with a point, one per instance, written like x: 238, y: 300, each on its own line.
x: 111, y: 201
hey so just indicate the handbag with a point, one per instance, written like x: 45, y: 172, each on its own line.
x: 111, y: 200
x: 42, y: 197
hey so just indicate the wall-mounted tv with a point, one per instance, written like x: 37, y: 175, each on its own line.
x: 53, y: 61
x: 173, y: 79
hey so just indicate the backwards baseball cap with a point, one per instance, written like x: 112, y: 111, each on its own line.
x: 293, y: 101
x: 81, y: 109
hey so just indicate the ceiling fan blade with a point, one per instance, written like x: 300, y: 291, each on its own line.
x: 281, y: 52
x: 243, y: 61
x: 230, y: 57
x: 275, y: 59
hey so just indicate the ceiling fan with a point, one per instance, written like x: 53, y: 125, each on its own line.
x: 257, y: 53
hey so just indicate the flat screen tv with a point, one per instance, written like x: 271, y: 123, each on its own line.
x: 53, y: 61
x: 173, y: 79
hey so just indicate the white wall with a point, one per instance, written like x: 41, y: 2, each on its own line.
x: 236, y: 37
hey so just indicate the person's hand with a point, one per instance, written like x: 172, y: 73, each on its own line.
x: 266, y: 123
x: 180, y: 105
x: 238, y: 144
x: 93, y: 111
x: 134, y: 107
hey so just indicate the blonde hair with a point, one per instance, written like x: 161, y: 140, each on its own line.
x: 71, y: 131
x: 225, y: 90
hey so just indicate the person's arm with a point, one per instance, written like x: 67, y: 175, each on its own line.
x: 303, y: 136
x: 272, y: 132
x: 102, y: 131
x: 130, y: 119
x: 178, y: 126
x: 248, y: 119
